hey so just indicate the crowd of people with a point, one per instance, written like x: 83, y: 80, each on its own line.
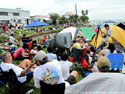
x: 53, y: 69
x: 8, y: 28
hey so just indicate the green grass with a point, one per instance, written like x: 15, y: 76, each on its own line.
x: 21, y: 31
x: 3, y: 38
x: 4, y: 90
x: 46, y: 27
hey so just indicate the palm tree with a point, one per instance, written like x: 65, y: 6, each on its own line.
x: 84, y: 18
x: 86, y: 12
x: 83, y: 13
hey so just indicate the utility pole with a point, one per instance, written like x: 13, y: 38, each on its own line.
x: 76, y: 9
x: 76, y: 14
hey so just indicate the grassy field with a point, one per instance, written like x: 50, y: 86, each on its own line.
x: 30, y: 85
x: 19, y: 33
x: 4, y: 90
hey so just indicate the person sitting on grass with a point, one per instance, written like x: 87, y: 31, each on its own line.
x: 65, y: 67
x: 48, y: 71
x: 34, y: 49
x: 12, y: 47
x: 20, y: 70
x: 109, y: 50
x: 24, y: 39
x: 20, y: 53
x: 101, y: 82
x: 13, y: 40
x: 76, y: 44
x: 50, y: 54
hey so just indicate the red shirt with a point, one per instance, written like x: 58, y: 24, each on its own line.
x: 30, y: 45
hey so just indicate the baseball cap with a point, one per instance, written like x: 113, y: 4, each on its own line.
x: 103, y: 61
x: 40, y: 55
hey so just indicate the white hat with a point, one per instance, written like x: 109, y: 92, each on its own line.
x: 40, y: 55
x: 87, y: 40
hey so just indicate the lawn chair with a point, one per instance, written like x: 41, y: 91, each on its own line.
x: 116, y: 61
x: 78, y: 55
x: 2, y: 78
x: 9, y: 79
x: 52, y: 89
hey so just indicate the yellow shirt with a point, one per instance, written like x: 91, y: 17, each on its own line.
x: 77, y: 45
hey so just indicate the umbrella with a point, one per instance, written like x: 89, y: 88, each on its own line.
x: 74, y: 31
x: 117, y: 33
x: 36, y: 23
x: 88, y: 32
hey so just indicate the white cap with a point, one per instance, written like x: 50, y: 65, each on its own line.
x: 40, y: 55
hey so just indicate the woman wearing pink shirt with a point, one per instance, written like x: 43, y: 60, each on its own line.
x: 20, y: 53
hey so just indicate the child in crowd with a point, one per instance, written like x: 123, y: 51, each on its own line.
x: 34, y: 49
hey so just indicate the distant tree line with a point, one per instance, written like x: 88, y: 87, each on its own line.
x: 56, y: 18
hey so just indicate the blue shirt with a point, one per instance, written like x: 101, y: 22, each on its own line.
x: 51, y: 56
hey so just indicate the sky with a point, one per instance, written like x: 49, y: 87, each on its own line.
x: 98, y: 9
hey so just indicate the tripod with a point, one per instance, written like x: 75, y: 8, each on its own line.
x: 95, y: 43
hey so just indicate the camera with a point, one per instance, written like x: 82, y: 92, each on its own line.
x: 104, y: 36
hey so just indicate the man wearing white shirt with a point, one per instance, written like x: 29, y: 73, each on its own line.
x: 48, y: 71
x: 19, y: 70
x: 107, y: 33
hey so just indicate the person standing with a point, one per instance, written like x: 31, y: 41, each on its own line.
x: 107, y: 33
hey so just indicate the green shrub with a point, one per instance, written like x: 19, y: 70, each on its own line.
x: 3, y: 38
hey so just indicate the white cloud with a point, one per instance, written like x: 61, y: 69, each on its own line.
x: 98, y: 9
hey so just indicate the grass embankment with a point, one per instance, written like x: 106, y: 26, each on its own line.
x: 4, y: 90
x: 19, y: 33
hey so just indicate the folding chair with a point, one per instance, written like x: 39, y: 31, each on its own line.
x: 0, y: 60
x: 11, y: 81
x: 116, y: 61
x: 2, y: 78
x: 52, y: 89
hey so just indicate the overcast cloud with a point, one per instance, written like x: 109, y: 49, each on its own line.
x: 98, y: 9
